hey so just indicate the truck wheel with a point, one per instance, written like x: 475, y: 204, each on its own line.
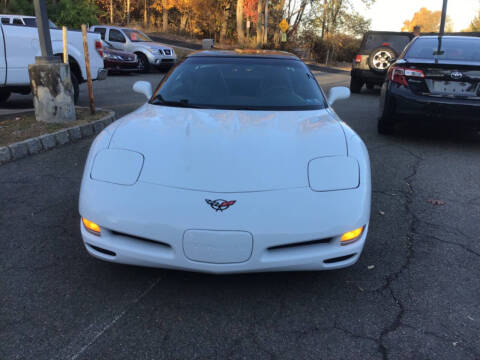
x: 76, y: 88
x: 356, y: 85
x: 143, y: 64
x: 4, y: 95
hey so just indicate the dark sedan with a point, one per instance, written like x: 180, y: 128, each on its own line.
x: 118, y: 60
x: 433, y: 80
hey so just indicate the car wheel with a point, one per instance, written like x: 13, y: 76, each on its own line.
x: 386, y: 119
x: 4, y: 95
x: 370, y: 86
x: 143, y: 64
x: 76, y: 88
x: 356, y: 85
x: 380, y: 59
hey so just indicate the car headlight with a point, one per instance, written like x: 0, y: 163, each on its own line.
x: 332, y: 173
x: 117, y: 166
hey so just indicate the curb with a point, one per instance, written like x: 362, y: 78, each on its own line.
x: 46, y: 142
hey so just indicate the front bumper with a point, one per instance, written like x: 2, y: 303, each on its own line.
x: 161, y: 60
x: 128, y: 66
x: 150, y: 231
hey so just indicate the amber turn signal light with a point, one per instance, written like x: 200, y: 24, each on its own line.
x: 91, y: 226
x: 351, y: 236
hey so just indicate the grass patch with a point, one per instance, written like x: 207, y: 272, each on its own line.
x: 23, y: 126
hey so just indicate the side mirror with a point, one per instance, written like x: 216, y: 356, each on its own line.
x: 338, y: 93
x: 143, y: 87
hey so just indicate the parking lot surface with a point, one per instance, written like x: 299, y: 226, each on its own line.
x: 414, y: 294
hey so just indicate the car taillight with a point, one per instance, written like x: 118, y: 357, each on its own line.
x: 99, y: 47
x: 358, y: 59
x: 399, y: 74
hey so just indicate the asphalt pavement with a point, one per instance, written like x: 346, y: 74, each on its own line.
x: 414, y: 294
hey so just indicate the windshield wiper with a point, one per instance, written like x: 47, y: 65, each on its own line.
x: 159, y: 100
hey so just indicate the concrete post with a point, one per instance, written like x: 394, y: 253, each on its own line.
x: 49, y: 78
x: 52, y: 91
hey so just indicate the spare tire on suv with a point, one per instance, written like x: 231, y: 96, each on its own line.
x: 374, y: 57
x: 381, y: 58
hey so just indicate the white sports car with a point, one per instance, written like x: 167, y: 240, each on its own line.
x: 237, y: 163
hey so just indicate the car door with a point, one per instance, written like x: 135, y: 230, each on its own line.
x: 117, y: 39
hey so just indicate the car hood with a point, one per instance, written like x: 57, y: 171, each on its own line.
x: 228, y: 150
x: 152, y: 44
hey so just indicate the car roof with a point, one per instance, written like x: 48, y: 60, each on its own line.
x: 400, y: 33
x: 17, y: 16
x: 447, y: 37
x: 253, y: 53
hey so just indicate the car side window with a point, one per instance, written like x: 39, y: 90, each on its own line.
x: 5, y: 21
x: 17, y: 21
x: 116, y: 36
x: 101, y: 31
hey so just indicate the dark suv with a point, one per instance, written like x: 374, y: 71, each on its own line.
x: 378, y: 50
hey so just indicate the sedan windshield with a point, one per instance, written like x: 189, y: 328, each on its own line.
x: 464, y: 49
x: 241, y: 83
x: 136, y: 36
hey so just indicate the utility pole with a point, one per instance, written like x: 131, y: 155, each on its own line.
x: 444, y: 17
x: 442, y: 30
x: 49, y: 77
x: 266, y: 22
x: 43, y: 31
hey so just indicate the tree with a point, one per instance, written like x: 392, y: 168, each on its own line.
x: 329, y: 17
x: 475, y: 24
x: 163, y: 6
x: 429, y: 21
x: 239, y: 20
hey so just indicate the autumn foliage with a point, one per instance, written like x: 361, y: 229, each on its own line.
x: 429, y: 21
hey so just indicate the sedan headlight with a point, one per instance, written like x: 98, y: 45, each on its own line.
x: 332, y: 173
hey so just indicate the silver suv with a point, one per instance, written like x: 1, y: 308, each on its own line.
x: 149, y: 53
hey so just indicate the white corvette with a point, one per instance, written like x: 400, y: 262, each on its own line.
x: 237, y: 163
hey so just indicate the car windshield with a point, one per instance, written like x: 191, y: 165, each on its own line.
x: 466, y: 49
x: 241, y: 83
x: 136, y: 36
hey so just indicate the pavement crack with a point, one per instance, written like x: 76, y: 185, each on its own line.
x: 89, y: 337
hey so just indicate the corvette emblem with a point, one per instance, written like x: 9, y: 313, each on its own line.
x: 456, y: 75
x: 219, y: 204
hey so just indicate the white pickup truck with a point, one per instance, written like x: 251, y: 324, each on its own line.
x: 19, y: 44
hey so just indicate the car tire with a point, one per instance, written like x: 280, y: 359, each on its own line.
x: 143, y: 64
x: 380, y: 59
x: 356, y: 85
x: 4, y: 95
x: 76, y: 87
x: 386, y: 119
x: 370, y: 86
